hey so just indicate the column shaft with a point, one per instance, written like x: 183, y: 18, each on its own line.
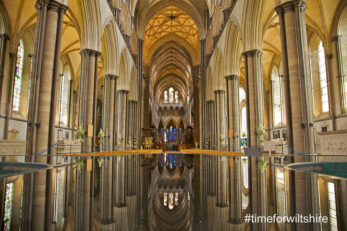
x: 139, y: 92
x: 108, y: 110
x: 340, y: 73
x: 49, y: 14
x: 233, y: 108
x: 255, y: 122
x: 298, y: 81
x: 3, y: 42
x: 122, y: 99
x: 87, y: 96
x: 220, y: 118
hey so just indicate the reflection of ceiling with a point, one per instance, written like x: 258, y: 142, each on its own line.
x: 171, y: 21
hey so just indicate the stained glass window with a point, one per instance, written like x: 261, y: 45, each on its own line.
x: 323, y: 78
x: 176, y: 96
x: 165, y: 97
x: 171, y: 95
x: 242, y: 94
x: 64, y: 99
x: 332, y: 207
x: 8, y: 206
x: 18, y: 77
x: 276, y: 97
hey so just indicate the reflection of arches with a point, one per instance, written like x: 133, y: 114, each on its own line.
x: 171, y: 123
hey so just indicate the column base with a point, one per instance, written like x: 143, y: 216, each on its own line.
x: 222, y: 205
x: 235, y: 221
x: 120, y: 205
x: 105, y: 225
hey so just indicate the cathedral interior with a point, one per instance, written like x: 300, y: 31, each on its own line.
x: 173, y: 115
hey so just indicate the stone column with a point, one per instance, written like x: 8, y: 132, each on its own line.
x: 87, y: 96
x: 139, y: 92
x: 233, y: 109
x: 108, y: 110
x: 203, y: 120
x: 340, y: 72
x: 122, y: 99
x: 49, y: 24
x: 120, y: 186
x: 297, y: 90
x: 255, y: 122
x: 220, y: 118
x: 146, y: 106
x: 3, y: 44
x: 235, y: 186
x: 222, y: 161
x: 255, y: 95
x: 196, y: 106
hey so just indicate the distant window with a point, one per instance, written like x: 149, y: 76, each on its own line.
x: 171, y: 95
x: 8, y: 206
x: 18, y: 77
x: 176, y: 96
x: 243, y: 122
x: 276, y: 97
x: 64, y: 99
x: 332, y: 207
x: 323, y: 78
x: 165, y: 97
x: 242, y: 94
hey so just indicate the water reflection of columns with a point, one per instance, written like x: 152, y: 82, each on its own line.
x: 298, y: 89
x: 106, y: 192
x: 119, y: 184
x: 255, y: 122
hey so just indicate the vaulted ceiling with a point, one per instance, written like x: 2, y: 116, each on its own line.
x: 171, y: 41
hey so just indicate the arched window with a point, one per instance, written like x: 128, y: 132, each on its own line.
x: 323, y: 78
x: 171, y: 95
x: 243, y: 122
x: 277, y: 95
x: 176, y: 96
x: 242, y: 94
x: 165, y: 97
x: 18, y: 77
x: 64, y: 98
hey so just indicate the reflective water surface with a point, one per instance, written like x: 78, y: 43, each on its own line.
x: 173, y: 191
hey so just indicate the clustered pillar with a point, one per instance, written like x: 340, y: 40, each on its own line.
x: 233, y: 109
x: 298, y: 84
x: 255, y: 123
x: 109, y: 108
x: 47, y: 47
